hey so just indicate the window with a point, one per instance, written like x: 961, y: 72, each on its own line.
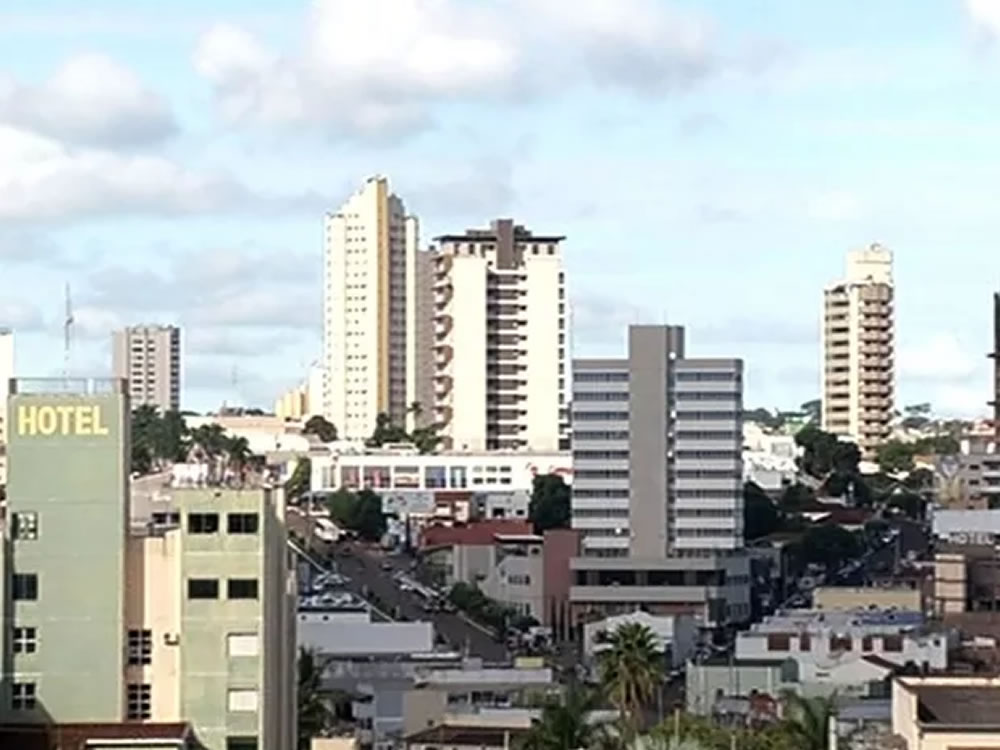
x: 242, y: 588
x: 138, y: 705
x: 203, y: 588
x: 805, y: 642
x: 22, y: 696
x: 242, y: 523
x: 242, y: 699
x: 243, y: 644
x: 140, y: 646
x: 778, y: 642
x: 25, y: 587
x: 892, y: 643
x: 241, y: 743
x: 25, y: 525
x: 203, y: 523
x: 25, y: 640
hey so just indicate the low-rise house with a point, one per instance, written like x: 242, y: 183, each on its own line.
x: 947, y: 712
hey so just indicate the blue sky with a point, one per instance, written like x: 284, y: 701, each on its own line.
x: 710, y: 163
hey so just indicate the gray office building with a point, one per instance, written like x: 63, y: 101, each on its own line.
x: 657, y: 482
x: 149, y: 358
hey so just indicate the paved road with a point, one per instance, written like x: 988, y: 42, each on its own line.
x: 363, y: 565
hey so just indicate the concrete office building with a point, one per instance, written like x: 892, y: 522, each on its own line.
x: 657, y: 481
x: 149, y: 357
x: 370, y: 311
x: 178, y: 626
x: 858, y: 350
x: 500, y: 338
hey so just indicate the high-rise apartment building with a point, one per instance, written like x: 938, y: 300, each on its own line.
x: 175, y: 630
x: 657, y: 481
x: 369, y: 310
x: 858, y: 350
x: 500, y: 368
x: 149, y: 357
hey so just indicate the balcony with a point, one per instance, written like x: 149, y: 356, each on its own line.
x: 443, y: 385
x: 443, y: 324
x: 444, y: 353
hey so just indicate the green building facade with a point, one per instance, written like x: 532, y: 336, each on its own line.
x: 64, y: 551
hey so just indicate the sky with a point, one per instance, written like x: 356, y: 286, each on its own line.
x: 710, y: 163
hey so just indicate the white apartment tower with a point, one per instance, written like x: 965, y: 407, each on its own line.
x: 500, y: 340
x: 369, y: 310
x: 858, y: 349
x: 149, y: 357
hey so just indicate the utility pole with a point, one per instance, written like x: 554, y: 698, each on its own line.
x: 67, y: 333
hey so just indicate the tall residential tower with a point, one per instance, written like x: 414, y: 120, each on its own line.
x: 858, y: 350
x: 369, y: 310
x: 500, y: 340
x: 149, y: 357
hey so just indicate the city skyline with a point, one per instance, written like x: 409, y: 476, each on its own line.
x: 189, y: 201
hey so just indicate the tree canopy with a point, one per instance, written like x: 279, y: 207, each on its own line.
x: 760, y: 515
x: 631, y: 672
x: 829, y: 545
x: 550, y: 503
x: 319, y: 426
x: 425, y: 439
x: 360, y: 512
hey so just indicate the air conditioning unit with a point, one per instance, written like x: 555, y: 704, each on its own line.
x: 172, y: 639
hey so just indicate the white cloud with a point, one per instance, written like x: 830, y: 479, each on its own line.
x: 21, y: 316
x: 373, y: 68
x: 42, y: 179
x: 985, y: 15
x: 91, y: 321
x: 939, y: 357
x: 91, y: 100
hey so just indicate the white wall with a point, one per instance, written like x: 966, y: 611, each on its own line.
x: 468, y: 355
x: 542, y: 358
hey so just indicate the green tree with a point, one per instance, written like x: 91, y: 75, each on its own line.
x: 237, y: 452
x: 319, y: 426
x: 760, y: 515
x: 386, y: 432
x: 795, y: 496
x: 300, y: 481
x: 550, y: 503
x: 314, y: 717
x: 916, y: 416
x: 895, y: 456
x: 631, y: 671
x: 807, y: 721
x: 813, y: 409
x: 919, y: 480
x: 369, y: 521
x: 564, y: 723
x: 765, y: 418
x: 829, y: 545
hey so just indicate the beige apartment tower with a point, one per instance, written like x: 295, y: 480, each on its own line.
x: 149, y: 358
x: 858, y: 350
x: 500, y: 340
x: 369, y: 311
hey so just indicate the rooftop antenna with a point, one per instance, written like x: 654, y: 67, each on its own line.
x: 67, y: 332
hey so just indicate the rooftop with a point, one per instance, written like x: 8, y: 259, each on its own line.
x: 480, y: 533
x: 958, y: 706
x: 822, y: 619
x: 466, y: 736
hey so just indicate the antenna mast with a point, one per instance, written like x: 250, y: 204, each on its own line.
x: 67, y: 333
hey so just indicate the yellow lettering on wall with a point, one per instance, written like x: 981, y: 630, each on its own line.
x: 99, y: 428
x: 47, y: 420
x: 26, y: 422
x: 63, y: 419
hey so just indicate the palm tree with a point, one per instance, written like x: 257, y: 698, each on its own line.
x: 631, y: 672
x: 564, y: 725
x: 315, y: 717
x: 210, y: 441
x: 807, y: 720
x: 237, y: 453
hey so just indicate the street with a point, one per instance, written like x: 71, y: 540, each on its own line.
x: 363, y: 566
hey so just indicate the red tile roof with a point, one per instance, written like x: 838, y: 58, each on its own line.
x: 479, y: 532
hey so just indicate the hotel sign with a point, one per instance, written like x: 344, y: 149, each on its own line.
x: 69, y: 420
x: 970, y: 537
